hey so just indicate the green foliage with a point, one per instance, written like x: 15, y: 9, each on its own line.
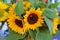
x: 41, y: 5
x: 19, y: 8
x: 5, y: 1
x: 23, y: 37
x: 43, y: 34
x: 49, y: 23
x: 55, y: 5
x: 48, y: 3
x: 50, y: 13
x: 33, y: 3
x: 32, y: 33
x: 0, y: 0
x: 15, y: 36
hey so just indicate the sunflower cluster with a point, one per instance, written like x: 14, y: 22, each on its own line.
x: 29, y: 19
x: 32, y: 17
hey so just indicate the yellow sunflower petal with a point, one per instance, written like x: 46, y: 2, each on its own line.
x: 55, y: 22
x: 26, y: 5
x: 3, y: 6
x: 3, y: 15
x: 11, y: 9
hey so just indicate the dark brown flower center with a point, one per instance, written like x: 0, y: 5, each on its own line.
x: 32, y: 18
x: 58, y: 26
x: 19, y: 23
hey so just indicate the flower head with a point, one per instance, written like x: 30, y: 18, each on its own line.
x: 55, y: 22
x: 33, y: 18
x: 16, y: 24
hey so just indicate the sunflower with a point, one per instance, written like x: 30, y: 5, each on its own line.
x: 11, y: 9
x: 26, y: 5
x: 16, y: 24
x: 3, y: 6
x: 33, y: 18
x: 3, y: 15
x: 55, y: 22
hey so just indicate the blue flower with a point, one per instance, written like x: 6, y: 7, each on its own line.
x: 4, y: 31
x: 56, y: 37
x: 58, y: 7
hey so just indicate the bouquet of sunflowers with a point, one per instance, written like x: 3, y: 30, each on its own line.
x: 29, y: 19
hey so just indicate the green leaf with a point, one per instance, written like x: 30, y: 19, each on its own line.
x: 43, y: 35
x: 3, y: 1
x: 19, y: 8
x: 32, y: 33
x: 48, y: 3
x: 22, y: 37
x: 0, y: 0
x: 14, y: 36
x: 33, y: 3
x: 41, y: 4
x: 49, y: 23
x: 50, y: 13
